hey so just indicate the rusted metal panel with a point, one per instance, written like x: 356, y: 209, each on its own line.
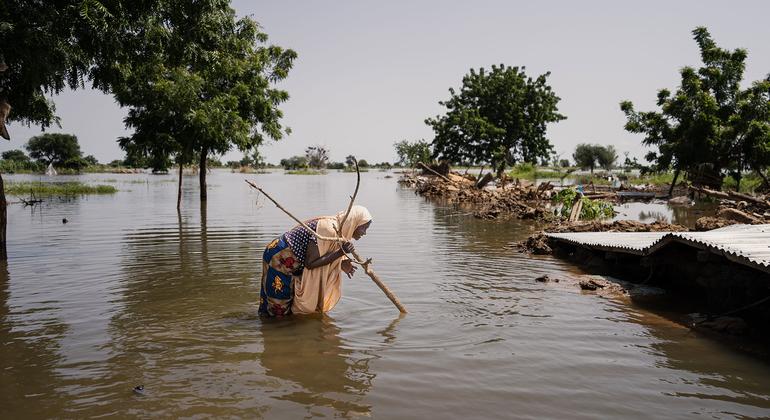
x: 744, y: 244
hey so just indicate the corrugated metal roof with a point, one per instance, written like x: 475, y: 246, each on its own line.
x: 744, y: 244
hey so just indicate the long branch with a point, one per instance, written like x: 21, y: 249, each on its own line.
x: 323, y: 238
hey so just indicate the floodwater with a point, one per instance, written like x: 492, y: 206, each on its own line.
x: 129, y: 293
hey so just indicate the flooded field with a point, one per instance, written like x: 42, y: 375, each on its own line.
x: 130, y: 293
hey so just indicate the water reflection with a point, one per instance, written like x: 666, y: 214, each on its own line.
x: 29, y: 357
x: 313, y: 366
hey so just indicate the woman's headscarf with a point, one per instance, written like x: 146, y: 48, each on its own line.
x: 358, y: 216
x: 320, y: 289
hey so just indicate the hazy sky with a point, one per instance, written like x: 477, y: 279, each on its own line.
x: 369, y: 73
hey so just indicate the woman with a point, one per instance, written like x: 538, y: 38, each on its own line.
x: 301, y: 274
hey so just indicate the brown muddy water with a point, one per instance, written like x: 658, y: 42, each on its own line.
x: 130, y: 293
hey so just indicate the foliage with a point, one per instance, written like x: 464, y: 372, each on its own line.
x: 91, y: 160
x: 57, y: 188
x: 306, y: 172
x: 592, y: 155
x: 412, y: 153
x: 592, y: 209
x: 606, y: 156
x: 204, y: 85
x: 564, y: 163
x: 497, y: 117
x: 709, y: 125
x: 530, y: 171
x: 295, y: 162
x: 15, y: 155
x: 317, y: 157
x: 336, y: 165
x: 54, y: 148
x: 15, y: 166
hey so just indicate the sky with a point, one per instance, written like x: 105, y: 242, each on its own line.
x: 369, y: 73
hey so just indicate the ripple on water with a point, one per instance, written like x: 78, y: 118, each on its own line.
x: 131, y: 292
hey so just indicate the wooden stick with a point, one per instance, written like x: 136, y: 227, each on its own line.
x: 324, y: 238
x: 366, y: 264
x: 352, y: 198
x: 424, y: 166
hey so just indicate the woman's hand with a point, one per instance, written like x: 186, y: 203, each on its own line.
x: 348, y: 247
x: 348, y: 268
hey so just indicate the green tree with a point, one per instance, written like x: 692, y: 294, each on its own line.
x: 205, y: 85
x: 412, y: 153
x: 15, y: 155
x: 709, y: 125
x: 46, y: 47
x: 91, y: 160
x: 54, y: 148
x: 606, y: 156
x: 586, y: 156
x: 497, y: 117
x: 294, y: 162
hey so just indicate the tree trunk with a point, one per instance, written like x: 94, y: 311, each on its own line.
x: 764, y: 178
x: 179, y: 189
x: 673, y: 182
x: 202, y: 174
x: 3, y: 221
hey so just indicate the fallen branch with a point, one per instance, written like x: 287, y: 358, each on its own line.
x: 427, y: 168
x: 366, y: 264
x: 731, y: 195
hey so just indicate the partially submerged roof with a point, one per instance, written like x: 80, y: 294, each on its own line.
x: 744, y: 244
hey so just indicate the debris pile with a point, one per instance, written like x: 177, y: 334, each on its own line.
x: 519, y: 199
x: 734, y: 208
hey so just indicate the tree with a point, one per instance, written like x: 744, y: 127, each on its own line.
x: 586, y: 156
x: 317, y: 157
x: 47, y: 47
x: 294, y: 162
x: 709, y: 125
x: 498, y: 117
x: 53, y: 148
x: 204, y: 86
x: 91, y: 160
x: 15, y: 155
x: 412, y: 153
x: 363, y: 163
x: 606, y: 156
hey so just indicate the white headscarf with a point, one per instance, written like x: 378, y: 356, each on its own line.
x: 320, y: 289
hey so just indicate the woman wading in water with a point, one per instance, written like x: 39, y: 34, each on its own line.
x: 301, y: 274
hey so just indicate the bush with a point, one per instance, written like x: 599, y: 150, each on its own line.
x: 592, y: 209
x: 294, y: 163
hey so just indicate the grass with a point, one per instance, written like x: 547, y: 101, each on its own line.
x: 530, y: 171
x: 658, y: 179
x: 749, y: 183
x: 57, y: 188
x: 305, y: 172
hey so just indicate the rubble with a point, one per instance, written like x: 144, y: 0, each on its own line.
x: 519, y: 199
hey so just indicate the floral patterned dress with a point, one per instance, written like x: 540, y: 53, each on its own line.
x: 282, y: 265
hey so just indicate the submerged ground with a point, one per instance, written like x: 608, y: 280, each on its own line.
x: 129, y: 293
